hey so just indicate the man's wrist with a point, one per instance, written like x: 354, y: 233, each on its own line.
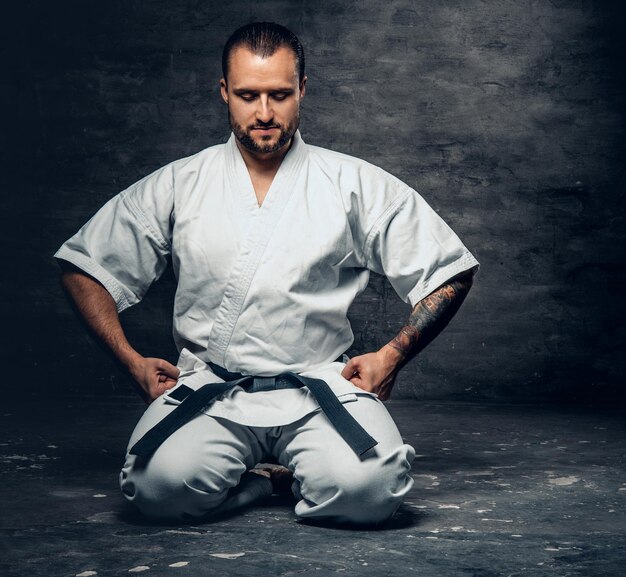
x: 132, y: 360
x: 391, y: 356
x: 405, y: 343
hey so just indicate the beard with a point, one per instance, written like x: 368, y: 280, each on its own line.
x: 267, y: 144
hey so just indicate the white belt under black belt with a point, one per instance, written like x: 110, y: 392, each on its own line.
x: 195, y: 401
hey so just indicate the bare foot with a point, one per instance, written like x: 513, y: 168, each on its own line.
x: 281, y: 477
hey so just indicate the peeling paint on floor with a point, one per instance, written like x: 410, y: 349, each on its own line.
x: 563, y: 481
x: 227, y: 555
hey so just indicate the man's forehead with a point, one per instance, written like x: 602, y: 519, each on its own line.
x: 247, y: 67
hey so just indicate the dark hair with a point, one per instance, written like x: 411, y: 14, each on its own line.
x: 263, y: 38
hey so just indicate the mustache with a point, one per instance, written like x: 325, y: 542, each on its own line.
x: 261, y: 125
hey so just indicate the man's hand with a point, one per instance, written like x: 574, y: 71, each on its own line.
x: 374, y: 372
x: 154, y: 376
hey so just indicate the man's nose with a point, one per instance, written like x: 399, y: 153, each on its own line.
x: 264, y: 112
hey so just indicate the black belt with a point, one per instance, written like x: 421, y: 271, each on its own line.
x: 346, y: 425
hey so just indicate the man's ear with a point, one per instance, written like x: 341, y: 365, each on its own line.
x: 224, y: 90
x: 303, y: 87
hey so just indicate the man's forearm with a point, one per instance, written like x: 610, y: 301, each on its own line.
x: 376, y: 372
x: 430, y: 316
x: 153, y: 376
x: 99, y: 311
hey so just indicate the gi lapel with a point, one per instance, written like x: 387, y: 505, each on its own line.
x: 261, y: 224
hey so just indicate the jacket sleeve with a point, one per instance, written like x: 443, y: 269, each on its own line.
x: 414, y: 248
x: 126, y: 244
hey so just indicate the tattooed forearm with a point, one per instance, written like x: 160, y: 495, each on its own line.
x: 405, y: 341
x: 431, y: 315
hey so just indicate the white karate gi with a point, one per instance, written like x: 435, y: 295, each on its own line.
x: 264, y: 290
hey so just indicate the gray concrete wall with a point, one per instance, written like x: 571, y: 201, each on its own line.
x: 507, y: 116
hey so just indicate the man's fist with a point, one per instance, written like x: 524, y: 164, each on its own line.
x: 374, y: 372
x: 154, y: 376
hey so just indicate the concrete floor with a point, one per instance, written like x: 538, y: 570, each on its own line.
x: 499, y: 491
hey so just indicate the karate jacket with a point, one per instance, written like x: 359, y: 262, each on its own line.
x: 266, y: 289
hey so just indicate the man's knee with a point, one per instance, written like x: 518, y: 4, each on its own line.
x: 175, y: 484
x: 368, y: 492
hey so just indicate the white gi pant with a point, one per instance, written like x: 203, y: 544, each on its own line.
x: 197, y: 471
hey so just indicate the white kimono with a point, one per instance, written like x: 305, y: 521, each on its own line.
x: 264, y: 290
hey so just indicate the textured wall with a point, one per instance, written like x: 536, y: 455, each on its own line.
x: 507, y: 116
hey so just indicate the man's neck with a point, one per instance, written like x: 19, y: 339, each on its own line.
x: 262, y: 167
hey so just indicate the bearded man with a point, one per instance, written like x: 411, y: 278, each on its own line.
x: 271, y: 240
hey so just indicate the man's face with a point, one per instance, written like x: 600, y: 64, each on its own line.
x: 263, y: 97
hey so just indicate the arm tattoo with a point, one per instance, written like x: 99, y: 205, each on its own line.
x: 431, y: 315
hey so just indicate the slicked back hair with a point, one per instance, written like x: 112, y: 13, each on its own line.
x: 263, y: 39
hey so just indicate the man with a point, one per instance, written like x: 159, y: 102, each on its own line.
x: 271, y: 240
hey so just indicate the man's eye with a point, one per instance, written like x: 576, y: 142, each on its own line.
x: 247, y: 97
x: 280, y: 96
